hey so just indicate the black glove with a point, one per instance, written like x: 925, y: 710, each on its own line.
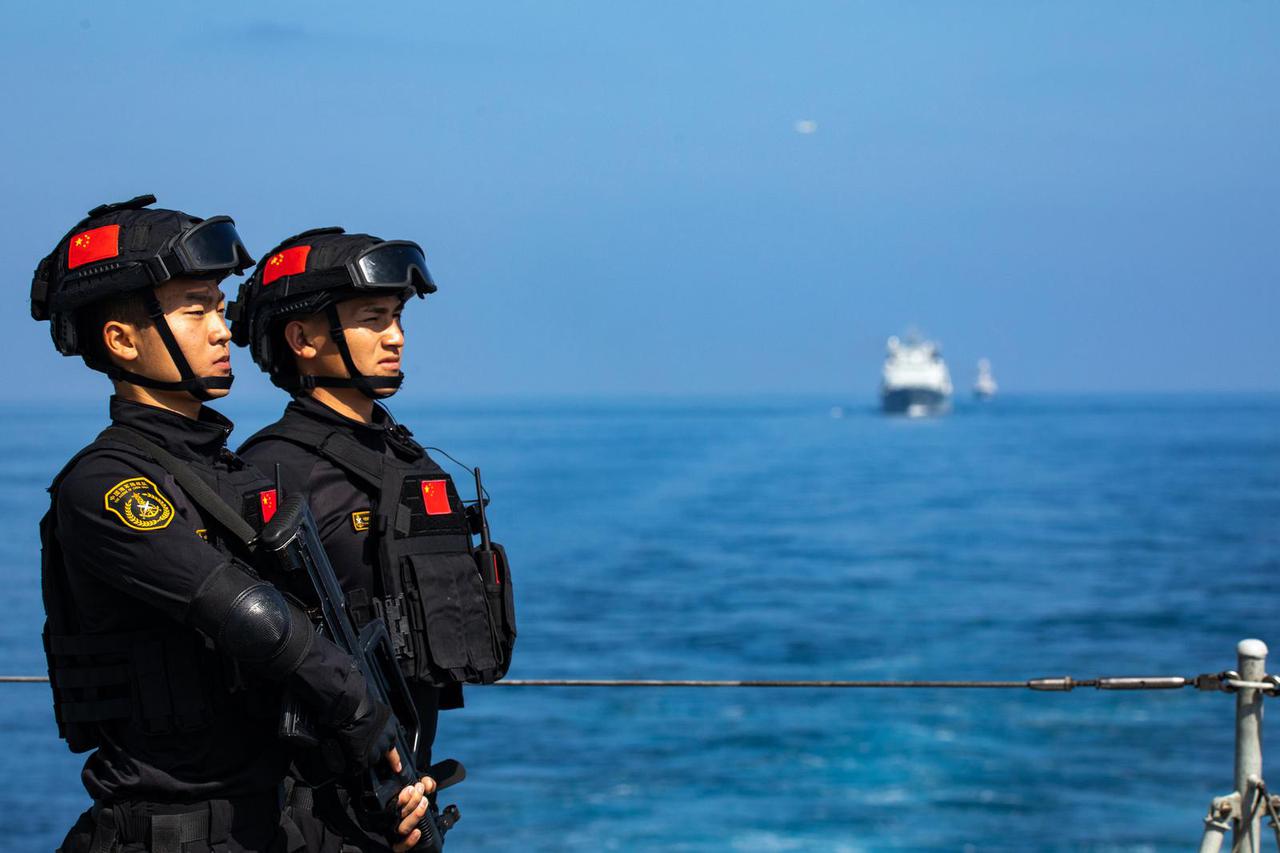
x: 368, y: 736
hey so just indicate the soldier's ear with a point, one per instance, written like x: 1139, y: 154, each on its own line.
x: 299, y: 339
x: 120, y: 340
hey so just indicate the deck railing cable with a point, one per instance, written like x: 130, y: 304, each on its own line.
x: 1239, y: 812
x: 1227, y: 682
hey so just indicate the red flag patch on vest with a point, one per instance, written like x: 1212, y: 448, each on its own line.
x: 435, y: 497
x: 289, y: 262
x: 96, y: 244
x: 268, y: 501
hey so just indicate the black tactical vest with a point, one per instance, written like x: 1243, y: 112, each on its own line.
x: 164, y: 679
x: 451, y: 620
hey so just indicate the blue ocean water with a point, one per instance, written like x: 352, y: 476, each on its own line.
x: 1033, y: 536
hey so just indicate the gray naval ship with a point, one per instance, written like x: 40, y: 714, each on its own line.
x: 915, y: 381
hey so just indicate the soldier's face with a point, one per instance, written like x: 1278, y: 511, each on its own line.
x: 194, y: 309
x: 374, y: 334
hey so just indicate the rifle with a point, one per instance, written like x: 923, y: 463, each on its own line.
x: 292, y: 539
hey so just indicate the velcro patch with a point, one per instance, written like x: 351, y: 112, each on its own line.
x: 96, y: 244
x: 360, y: 521
x: 435, y: 497
x: 289, y: 262
x: 267, y: 500
x: 139, y: 504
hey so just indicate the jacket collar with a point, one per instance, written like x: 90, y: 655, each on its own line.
x: 383, y: 433
x: 201, y: 439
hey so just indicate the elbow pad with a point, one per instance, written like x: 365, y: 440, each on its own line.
x: 251, y: 621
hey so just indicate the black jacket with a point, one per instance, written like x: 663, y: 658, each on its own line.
x: 134, y: 555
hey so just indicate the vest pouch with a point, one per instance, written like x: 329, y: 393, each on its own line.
x: 449, y: 616
x: 88, y: 687
x: 502, y: 607
x: 156, y: 679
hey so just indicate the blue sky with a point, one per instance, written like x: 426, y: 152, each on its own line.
x: 615, y: 198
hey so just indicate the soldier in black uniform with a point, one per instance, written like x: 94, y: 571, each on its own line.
x: 167, y: 652
x: 321, y: 315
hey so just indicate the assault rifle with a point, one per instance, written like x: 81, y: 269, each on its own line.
x: 292, y: 539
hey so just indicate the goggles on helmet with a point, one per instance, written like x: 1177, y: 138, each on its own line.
x: 392, y: 266
x: 209, y: 248
x: 212, y: 246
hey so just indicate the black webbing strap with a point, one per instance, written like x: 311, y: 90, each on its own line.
x: 200, y: 492
x: 330, y: 804
x: 298, y: 795
x: 105, y: 833
x: 162, y: 833
x: 350, y: 455
x: 170, y: 831
x: 371, y: 470
x: 95, y: 710
x: 368, y: 468
x: 189, y: 381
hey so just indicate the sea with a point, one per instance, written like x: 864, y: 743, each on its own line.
x: 805, y: 538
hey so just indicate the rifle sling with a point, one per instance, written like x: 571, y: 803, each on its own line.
x: 198, y: 491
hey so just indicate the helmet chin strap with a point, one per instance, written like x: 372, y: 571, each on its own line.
x: 366, y: 385
x: 197, y: 386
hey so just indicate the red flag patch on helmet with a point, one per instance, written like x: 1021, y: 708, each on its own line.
x: 267, y: 500
x: 289, y: 262
x: 96, y: 244
x: 435, y: 497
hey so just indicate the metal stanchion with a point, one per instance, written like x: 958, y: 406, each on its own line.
x: 1216, y: 826
x: 1241, y: 811
x: 1253, y: 667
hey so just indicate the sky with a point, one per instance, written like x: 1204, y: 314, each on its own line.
x: 695, y: 198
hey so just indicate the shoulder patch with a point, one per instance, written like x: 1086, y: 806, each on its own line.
x: 139, y: 504
x: 360, y: 521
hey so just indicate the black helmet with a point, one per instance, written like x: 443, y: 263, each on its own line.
x: 312, y: 272
x: 124, y: 247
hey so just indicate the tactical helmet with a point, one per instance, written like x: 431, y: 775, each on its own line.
x: 312, y: 272
x: 124, y: 247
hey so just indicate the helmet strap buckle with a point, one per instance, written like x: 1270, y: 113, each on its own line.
x: 157, y: 269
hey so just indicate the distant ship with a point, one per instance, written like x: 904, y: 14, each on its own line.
x: 915, y: 381
x: 984, y: 387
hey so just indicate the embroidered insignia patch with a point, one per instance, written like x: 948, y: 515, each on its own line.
x: 360, y: 521
x: 139, y: 504
x: 203, y: 533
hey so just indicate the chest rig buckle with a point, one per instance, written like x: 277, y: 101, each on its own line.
x: 396, y: 616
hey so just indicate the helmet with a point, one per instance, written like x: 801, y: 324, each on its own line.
x: 124, y: 247
x: 312, y: 272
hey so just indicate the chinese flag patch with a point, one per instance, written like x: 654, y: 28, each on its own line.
x: 289, y: 262
x: 435, y: 497
x: 96, y: 244
x: 267, y: 500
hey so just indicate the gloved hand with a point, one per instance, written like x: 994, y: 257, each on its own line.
x: 367, y: 736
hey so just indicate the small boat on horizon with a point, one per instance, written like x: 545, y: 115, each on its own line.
x: 984, y: 387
